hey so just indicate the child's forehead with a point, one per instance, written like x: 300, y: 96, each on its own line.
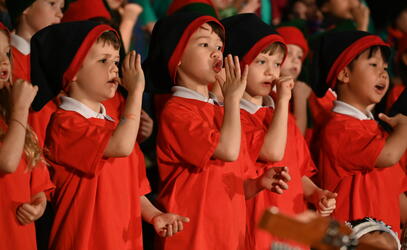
x: 205, y: 30
x: 101, y: 47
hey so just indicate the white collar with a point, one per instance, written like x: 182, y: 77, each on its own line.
x: 71, y: 104
x: 20, y: 44
x: 191, y: 94
x: 253, y: 108
x: 346, y: 109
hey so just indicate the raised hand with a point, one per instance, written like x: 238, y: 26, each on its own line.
x: 284, y: 87
x: 22, y: 95
x: 235, y: 83
x: 133, y: 75
x: 394, y: 121
x: 30, y: 212
x: 360, y: 15
x: 168, y: 224
x: 275, y: 179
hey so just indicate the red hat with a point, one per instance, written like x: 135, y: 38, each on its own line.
x: 293, y: 35
x: 82, y: 10
x: 201, y: 6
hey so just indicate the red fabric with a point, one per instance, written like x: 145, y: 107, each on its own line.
x: 21, y: 65
x: 179, y: 50
x: 296, y: 157
x: 81, y: 10
x: 348, y: 153
x: 293, y: 35
x: 97, y: 199
x: 260, y: 46
x: 39, y: 120
x: 208, y: 191
x: 178, y: 4
x: 15, y: 189
x: 83, y: 51
x: 349, y: 54
x: 394, y: 94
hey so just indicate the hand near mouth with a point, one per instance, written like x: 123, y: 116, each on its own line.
x: 235, y: 83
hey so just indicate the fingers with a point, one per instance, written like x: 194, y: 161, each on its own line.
x: 245, y: 73
x: 227, y: 67
x: 132, y: 61
x: 126, y: 61
x: 237, y: 67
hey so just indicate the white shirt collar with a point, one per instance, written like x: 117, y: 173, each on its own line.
x: 191, y: 94
x: 346, y: 109
x: 253, y: 108
x: 20, y: 44
x: 71, y: 104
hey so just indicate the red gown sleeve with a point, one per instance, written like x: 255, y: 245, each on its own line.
x: 78, y: 143
x: 358, y: 149
x: 185, y: 134
x: 40, y: 180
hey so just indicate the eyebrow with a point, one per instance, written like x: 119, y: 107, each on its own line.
x: 207, y: 37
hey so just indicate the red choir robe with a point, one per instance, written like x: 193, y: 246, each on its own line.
x: 348, y: 153
x: 194, y: 184
x: 97, y: 199
x: 298, y: 160
x: 15, y: 189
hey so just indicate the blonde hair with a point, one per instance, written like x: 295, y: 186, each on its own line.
x: 32, y: 150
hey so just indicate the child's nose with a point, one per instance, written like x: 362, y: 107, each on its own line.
x: 4, y: 60
x: 216, y: 54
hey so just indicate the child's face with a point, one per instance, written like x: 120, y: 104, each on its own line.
x: 114, y: 4
x: 5, y: 67
x: 401, y: 21
x: 264, y: 69
x: 43, y: 13
x: 368, y: 78
x: 293, y: 63
x: 341, y: 8
x: 202, y: 58
x: 97, y: 79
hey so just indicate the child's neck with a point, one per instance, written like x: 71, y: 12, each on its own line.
x: 201, y: 89
x: 25, y: 32
x: 258, y: 100
x: 364, y: 108
x: 93, y: 105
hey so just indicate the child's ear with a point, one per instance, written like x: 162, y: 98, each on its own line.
x: 179, y: 63
x: 344, y: 75
x: 75, y: 78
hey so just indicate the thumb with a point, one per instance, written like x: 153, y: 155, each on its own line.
x: 183, y: 219
x: 330, y: 195
x: 38, y: 201
x: 386, y: 119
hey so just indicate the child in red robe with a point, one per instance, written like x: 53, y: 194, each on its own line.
x: 24, y: 178
x: 202, y: 155
x: 357, y: 158
x: 272, y: 134
x: 98, y: 200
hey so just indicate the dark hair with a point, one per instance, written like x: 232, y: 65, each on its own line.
x: 401, y: 69
x: 218, y: 30
x: 273, y: 48
x: 384, y: 52
x: 109, y: 37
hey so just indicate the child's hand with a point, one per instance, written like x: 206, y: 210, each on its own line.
x: 275, y: 179
x: 133, y: 75
x: 168, y: 224
x: 22, y: 94
x: 130, y: 12
x: 360, y: 15
x: 146, y: 127
x: 30, y: 212
x: 326, y: 202
x: 250, y: 7
x: 235, y: 83
x: 301, y: 90
x: 397, y: 120
x: 284, y: 87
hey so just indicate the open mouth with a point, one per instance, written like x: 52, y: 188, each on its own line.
x: 217, y: 66
x: 3, y: 74
x: 114, y: 81
x: 380, y: 87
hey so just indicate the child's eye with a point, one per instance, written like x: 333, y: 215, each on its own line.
x: 103, y: 60
x: 261, y: 61
x: 278, y: 64
x: 373, y: 64
x: 219, y: 47
x: 52, y: 3
x: 204, y: 44
x: 117, y: 63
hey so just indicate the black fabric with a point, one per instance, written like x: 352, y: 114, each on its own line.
x: 400, y: 106
x: 166, y: 34
x: 52, y: 50
x: 243, y: 31
x: 16, y: 7
x: 326, y: 49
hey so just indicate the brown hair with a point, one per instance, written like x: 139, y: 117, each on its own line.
x: 109, y: 37
x: 274, y: 47
x: 218, y: 30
